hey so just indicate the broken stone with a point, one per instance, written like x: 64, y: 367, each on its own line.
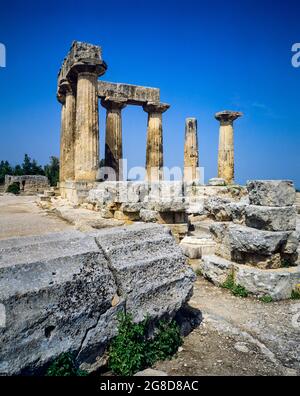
x: 216, y: 181
x: 271, y: 218
x: 148, y: 216
x: 271, y: 192
x: 219, y: 208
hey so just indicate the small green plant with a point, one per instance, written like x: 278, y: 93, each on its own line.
x: 295, y: 295
x: 13, y: 188
x: 132, y: 351
x: 64, y: 366
x: 236, y: 290
x: 198, y: 272
x: 266, y: 299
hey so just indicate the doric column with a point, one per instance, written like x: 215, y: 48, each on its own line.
x: 87, y: 128
x: 154, y: 150
x: 191, y: 156
x: 68, y: 133
x: 226, y: 145
x: 113, y: 136
x: 62, y: 156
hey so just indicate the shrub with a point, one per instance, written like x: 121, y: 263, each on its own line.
x: 64, y: 366
x: 13, y: 188
x: 295, y: 295
x: 266, y: 299
x: 131, y: 350
x: 236, y: 290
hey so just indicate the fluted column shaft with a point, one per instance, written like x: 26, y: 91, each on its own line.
x: 154, y: 150
x: 87, y: 128
x: 191, y: 155
x: 62, y: 157
x: 226, y: 145
x: 69, y: 140
x: 113, y: 136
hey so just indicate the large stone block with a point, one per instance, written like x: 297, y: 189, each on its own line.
x: 53, y: 292
x: 249, y: 240
x: 150, y: 269
x: 271, y: 218
x: 271, y: 192
x: 62, y: 292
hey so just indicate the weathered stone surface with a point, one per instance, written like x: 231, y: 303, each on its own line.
x: 191, y: 153
x: 249, y: 240
x: 148, y: 265
x: 216, y: 269
x: 194, y: 247
x: 218, y: 208
x: 53, y: 293
x: 29, y: 184
x: 271, y: 218
x: 216, y: 181
x: 148, y: 216
x: 271, y: 192
x: 151, y: 373
x: 277, y: 283
x: 133, y: 94
x: 237, y: 212
x: 62, y: 292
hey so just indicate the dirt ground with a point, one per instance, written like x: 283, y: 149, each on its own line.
x: 239, y: 337
x: 20, y: 216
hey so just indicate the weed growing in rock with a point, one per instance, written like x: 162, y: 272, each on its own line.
x: 295, y: 295
x: 64, y: 366
x: 236, y: 290
x: 131, y: 350
x: 266, y: 299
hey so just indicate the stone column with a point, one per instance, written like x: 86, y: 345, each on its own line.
x: 226, y: 145
x: 113, y: 137
x: 87, y: 128
x: 191, y: 155
x: 62, y: 156
x: 69, y: 133
x: 154, y: 150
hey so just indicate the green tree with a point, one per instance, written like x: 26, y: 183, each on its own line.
x: 52, y: 171
x: 27, y: 166
x: 5, y: 169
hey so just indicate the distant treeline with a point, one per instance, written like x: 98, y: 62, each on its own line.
x: 31, y: 167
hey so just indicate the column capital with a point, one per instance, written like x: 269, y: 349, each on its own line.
x: 227, y: 117
x: 114, y: 104
x: 152, y: 107
x: 65, y: 88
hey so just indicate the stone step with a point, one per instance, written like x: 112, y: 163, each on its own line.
x: 36, y: 249
x: 201, y: 227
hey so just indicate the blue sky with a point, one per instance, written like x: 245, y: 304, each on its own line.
x: 205, y: 56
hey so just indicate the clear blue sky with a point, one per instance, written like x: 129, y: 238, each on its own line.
x: 205, y: 56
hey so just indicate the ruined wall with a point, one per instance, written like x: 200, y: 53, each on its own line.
x: 29, y: 184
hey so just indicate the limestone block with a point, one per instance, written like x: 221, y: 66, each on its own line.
x: 277, y: 283
x: 216, y: 269
x: 271, y: 218
x: 271, y: 192
x: 194, y: 247
x: 131, y: 207
x: 148, y: 265
x: 292, y: 244
x: 218, y: 208
x: 249, y: 240
x: 237, y: 211
x: 126, y: 216
x: 216, y: 181
x: 170, y: 205
x: 148, y: 216
x: 106, y: 213
x: 54, y: 290
x: 60, y: 294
